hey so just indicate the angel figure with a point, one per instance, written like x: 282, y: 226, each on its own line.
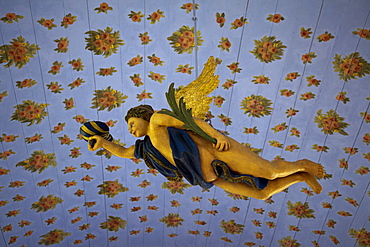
x: 180, y: 144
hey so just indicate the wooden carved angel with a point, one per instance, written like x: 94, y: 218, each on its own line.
x: 180, y: 144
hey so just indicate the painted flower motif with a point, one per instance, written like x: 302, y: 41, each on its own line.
x: 366, y: 138
x: 3, y: 95
x: 366, y: 116
x: 256, y: 106
x: 49, y: 24
x: 34, y: 138
x: 106, y: 71
x: 261, y: 79
x: 229, y: 83
x: 46, y: 203
x: 276, y: 18
x: 295, y: 132
x: 325, y: 37
x: 253, y: 130
x: 220, y: 19
x: 144, y: 38
x: 103, y: 42
x: 226, y: 120
x: 29, y: 112
x: 4, y: 155
x: 183, y: 40
x: 185, y: 69
x: 103, y: 8
x: 111, y: 188
x: 276, y: 144
x: 75, y: 152
x: 352, y: 66
x: 107, y: 99
x: 18, y: 53
x: 234, y: 67
x: 156, y: 77
x: 11, y: 17
x: 38, y: 161
x: 8, y: 138
x: 342, y: 97
x: 25, y: 83
x: 68, y: 20
x: 300, y: 210
x: 231, y: 227
x: 54, y: 87
x: 62, y: 45
x: 55, y: 236
x: 307, y: 96
x: 307, y: 58
x: 218, y: 100
x: 113, y: 223
x: 59, y: 127
x: 238, y: 23
x: 77, y: 64
x: 136, y: 16
x: 224, y: 44
x: 305, y: 33
x: 189, y: 7
x: 362, y: 236
x: 319, y: 148
x: 363, y: 33
x: 155, y: 16
x: 291, y: 148
x: 280, y: 127
x: 144, y: 95
x: 312, y: 81
x: 135, y: 61
x: 288, y: 241
x: 330, y: 122
x: 136, y: 79
x: 76, y: 83
x: 286, y: 92
x: 155, y: 60
x: 65, y: 140
x: 172, y: 220
x: 175, y: 186
x: 291, y: 112
x: 55, y: 69
x: 268, y: 49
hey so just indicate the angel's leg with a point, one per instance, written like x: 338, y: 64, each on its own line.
x: 242, y: 160
x: 273, y: 187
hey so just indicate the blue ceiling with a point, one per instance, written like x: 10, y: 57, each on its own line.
x: 315, y: 77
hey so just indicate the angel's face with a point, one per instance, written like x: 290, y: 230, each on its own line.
x: 137, y: 127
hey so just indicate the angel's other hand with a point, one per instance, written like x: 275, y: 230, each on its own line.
x: 95, y: 142
x: 222, y: 144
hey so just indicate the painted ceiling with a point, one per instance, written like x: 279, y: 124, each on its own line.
x: 64, y: 63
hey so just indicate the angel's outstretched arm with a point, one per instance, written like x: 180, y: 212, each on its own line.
x: 114, y: 148
x: 164, y: 120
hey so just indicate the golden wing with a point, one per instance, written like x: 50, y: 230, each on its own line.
x: 195, y: 93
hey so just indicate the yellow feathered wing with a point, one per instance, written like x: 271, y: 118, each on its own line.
x: 195, y: 93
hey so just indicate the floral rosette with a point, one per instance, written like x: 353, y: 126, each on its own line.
x: 107, y: 99
x: 256, y: 106
x: 300, y: 210
x: 268, y: 49
x: 18, y: 53
x: 53, y: 237
x: 175, y: 186
x: 183, y: 40
x: 46, y: 203
x: 113, y: 223
x: 29, y: 112
x: 231, y: 227
x: 38, y: 161
x: 331, y: 122
x: 111, y: 188
x: 103, y: 42
x: 172, y: 220
x: 352, y: 66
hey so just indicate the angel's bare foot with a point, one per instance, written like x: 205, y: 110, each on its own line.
x: 312, y: 182
x: 314, y: 168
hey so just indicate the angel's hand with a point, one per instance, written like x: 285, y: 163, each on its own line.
x: 95, y: 143
x: 222, y: 144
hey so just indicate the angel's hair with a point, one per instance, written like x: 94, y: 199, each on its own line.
x: 142, y: 111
